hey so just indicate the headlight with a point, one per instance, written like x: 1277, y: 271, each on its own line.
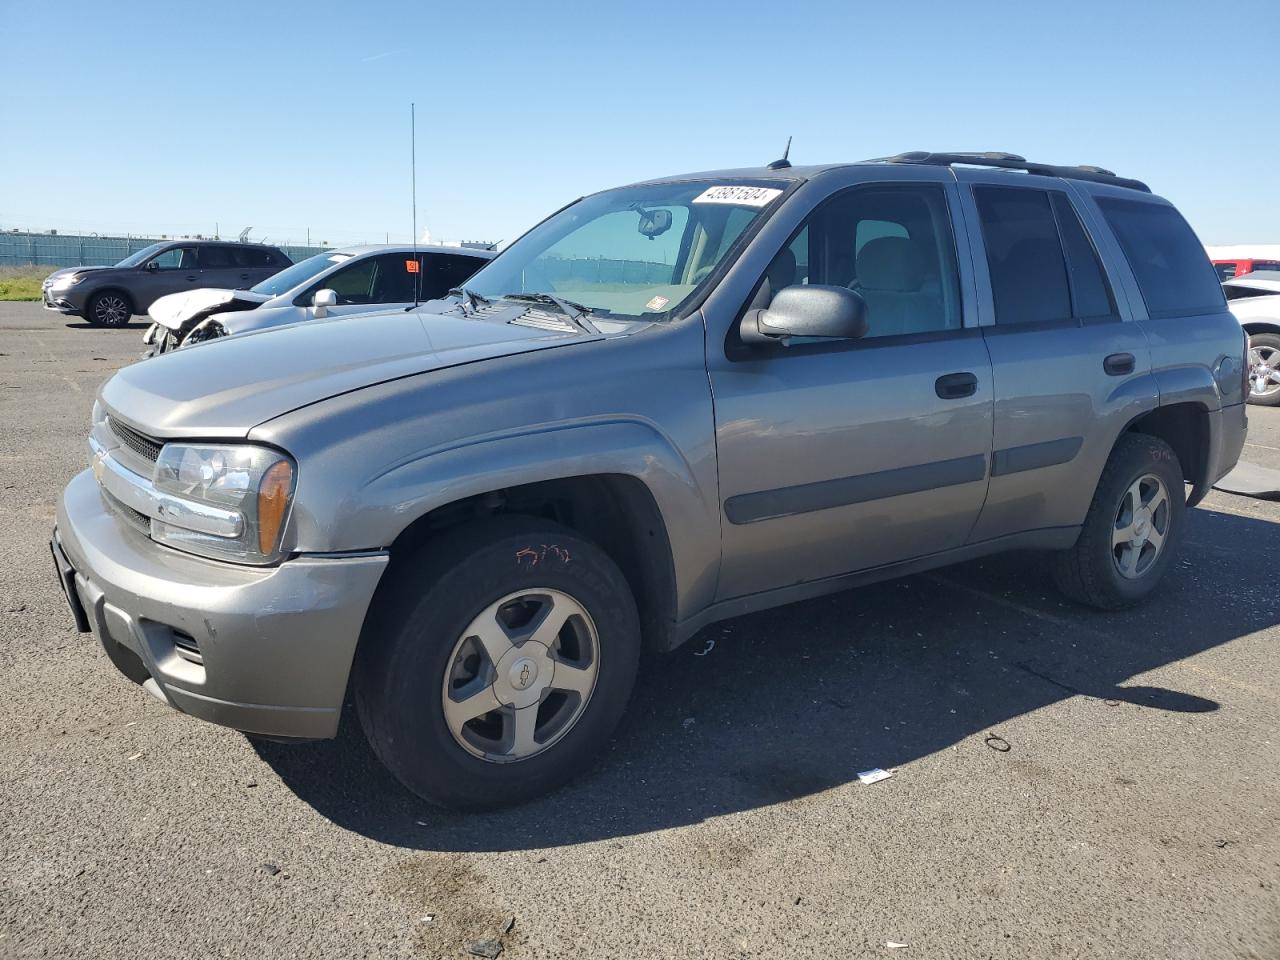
x: 209, y: 329
x: 69, y: 281
x: 226, y: 502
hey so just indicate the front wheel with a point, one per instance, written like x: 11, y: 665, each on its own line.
x: 1132, y: 530
x: 109, y: 309
x: 1264, y: 369
x: 498, y: 663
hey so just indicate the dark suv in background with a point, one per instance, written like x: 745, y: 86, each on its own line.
x: 108, y: 296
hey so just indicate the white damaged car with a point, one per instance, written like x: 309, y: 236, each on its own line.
x: 330, y: 284
x: 1254, y: 300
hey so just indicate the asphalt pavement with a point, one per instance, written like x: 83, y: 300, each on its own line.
x: 1066, y: 783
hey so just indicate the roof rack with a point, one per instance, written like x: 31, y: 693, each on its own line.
x: 1011, y: 161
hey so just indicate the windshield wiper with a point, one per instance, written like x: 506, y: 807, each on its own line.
x: 470, y: 297
x: 574, y: 311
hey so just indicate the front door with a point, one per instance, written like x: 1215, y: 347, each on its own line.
x: 175, y: 270
x: 838, y: 456
x: 1070, y: 369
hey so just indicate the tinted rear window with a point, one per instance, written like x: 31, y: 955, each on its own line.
x: 1172, y: 269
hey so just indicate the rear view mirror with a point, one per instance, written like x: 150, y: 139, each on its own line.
x: 807, y: 311
x: 654, y: 223
x: 323, y: 300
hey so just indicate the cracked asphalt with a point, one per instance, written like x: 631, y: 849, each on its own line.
x: 1135, y: 813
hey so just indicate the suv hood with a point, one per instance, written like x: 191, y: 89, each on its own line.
x: 182, y: 309
x: 227, y: 387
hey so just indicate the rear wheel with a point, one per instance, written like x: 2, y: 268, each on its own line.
x: 108, y: 309
x: 1264, y: 369
x: 498, y: 663
x: 1132, y: 530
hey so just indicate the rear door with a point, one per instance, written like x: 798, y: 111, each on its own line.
x: 219, y: 268
x: 841, y: 455
x: 1071, y: 367
x: 256, y: 263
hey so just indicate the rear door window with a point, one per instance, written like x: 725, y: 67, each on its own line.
x: 256, y: 257
x: 1029, y: 280
x: 1171, y: 267
x: 217, y: 258
x: 1091, y: 297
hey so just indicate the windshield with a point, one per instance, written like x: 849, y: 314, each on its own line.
x: 300, y: 272
x: 135, y: 259
x: 635, y: 252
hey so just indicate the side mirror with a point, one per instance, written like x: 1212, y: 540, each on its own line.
x: 153, y: 265
x: 323, y: 300
x: 807, y: 311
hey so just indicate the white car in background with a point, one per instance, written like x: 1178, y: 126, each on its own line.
x: 331, y: 284
x: 1254, y: 299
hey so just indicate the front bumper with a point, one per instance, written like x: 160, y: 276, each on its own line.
x: 264, y: 650
x: 58, y: 300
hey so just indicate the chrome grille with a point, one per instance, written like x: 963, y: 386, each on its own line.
x: 140, y: 444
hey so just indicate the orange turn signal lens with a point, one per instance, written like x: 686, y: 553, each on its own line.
x: 273, y: 501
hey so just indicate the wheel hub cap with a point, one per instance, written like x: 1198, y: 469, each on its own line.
x: 521, y: 674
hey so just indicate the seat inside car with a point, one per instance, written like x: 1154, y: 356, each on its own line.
x: 900, y: 296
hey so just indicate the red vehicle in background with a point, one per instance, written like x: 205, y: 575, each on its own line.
x: 1239, y: 267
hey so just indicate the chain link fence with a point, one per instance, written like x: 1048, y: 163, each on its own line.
x: 73, y: 250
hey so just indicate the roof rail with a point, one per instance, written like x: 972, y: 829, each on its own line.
x: 1011, y: 161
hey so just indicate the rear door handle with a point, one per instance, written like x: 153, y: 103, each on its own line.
x: 192, y: 278
x: 1118, y: 364
x: 244, y: 276
x: 954, y: 386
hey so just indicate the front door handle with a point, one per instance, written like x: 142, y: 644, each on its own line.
x: 1118, y: 364
x: 192, y: 278
x: 244, y: 276
x: 954, y: 386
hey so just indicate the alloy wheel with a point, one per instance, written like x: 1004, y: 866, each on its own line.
x: 1141, y: 526
x: 110, y: 310
x: 521, y: 675
x: 1264, y: 370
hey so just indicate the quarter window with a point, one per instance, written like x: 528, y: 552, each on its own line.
x: 1171, y: 267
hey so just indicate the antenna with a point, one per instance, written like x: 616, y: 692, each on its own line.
x: 784, y: 162
x: 413, y: 179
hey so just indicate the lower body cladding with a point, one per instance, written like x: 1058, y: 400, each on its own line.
x: 266, y: 650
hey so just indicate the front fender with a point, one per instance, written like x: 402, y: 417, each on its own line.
x: 631, y: 447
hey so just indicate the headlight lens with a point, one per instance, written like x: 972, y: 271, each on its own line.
x: 252, y: 483
x: 209, y: 329
x: 68, y: 281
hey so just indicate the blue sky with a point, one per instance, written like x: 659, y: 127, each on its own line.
x: 148, y: 118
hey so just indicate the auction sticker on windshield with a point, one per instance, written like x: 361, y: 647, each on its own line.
x: 743, y: 196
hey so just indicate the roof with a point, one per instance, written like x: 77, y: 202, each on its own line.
x: 1005, y: 161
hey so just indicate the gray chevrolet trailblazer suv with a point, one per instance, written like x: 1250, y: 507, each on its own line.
x: 109, y: 296
x: 666, y: 404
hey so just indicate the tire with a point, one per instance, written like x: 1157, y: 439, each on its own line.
x: 1264, y: 359
x: 417, y: 653
x: 110, y: 308
x: 1092, y: 571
